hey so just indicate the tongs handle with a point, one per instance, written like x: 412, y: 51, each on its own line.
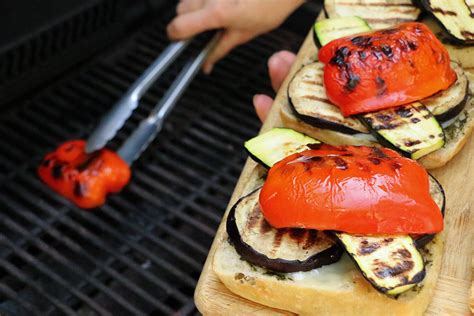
x: 123, y: 108
x: 139, y: 140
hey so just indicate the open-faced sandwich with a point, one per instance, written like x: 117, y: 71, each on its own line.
x: 396, y: 87
x: 333, y: 230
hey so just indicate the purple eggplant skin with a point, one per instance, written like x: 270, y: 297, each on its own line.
x: 320, y: 123
x: 423, y: 240
x: 328, y: 256
x: 425, y: 4
x: 315, y: 39
x: 455, y: 111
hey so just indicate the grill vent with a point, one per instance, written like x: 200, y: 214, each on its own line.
x: 45, y: 45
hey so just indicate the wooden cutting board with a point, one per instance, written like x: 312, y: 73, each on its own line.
x: 457, y: 177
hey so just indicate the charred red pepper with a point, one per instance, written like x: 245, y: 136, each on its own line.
x: 85, y: 179
x: 361, y: 190
x: 385, y: 68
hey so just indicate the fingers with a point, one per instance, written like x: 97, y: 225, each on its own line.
x: 228, y: 41
x: 262, y: 104
x: 279, y: 65
x: 186, y: 6
x: 190, y: 24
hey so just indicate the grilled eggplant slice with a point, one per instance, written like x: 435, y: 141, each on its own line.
x: 379, y: 14
x: 447, y: 104
x: 309, y: 102
x: 276, y: 144
x: 455, y: 16
x: 392, y: 264
x: 327, y: 30
x: 282, y: 250
x: 411, y: 129
x: 437, y: 192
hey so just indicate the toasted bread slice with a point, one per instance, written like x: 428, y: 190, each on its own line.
x: 336, y: 289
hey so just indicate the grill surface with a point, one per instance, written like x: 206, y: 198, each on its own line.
x: 142, y: 253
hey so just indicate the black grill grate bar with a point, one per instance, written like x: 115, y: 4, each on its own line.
x: 177, y: 212
x: 13, y: 295
x: 104, y: 227
x: 77, y: 269
x: 162, y: 173
x: 52, y: 275
x: 155, y: 169
x: 83, y: 253
x: 26, y: 279
x: 164, y: 227
x: 183, y: 156
x: 91, y: 237
x: 146, y: 234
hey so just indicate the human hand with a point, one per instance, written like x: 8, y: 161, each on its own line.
x: 242, y: 20
x: 279, y: 65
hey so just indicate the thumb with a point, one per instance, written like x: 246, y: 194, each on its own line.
x: 228, y: 41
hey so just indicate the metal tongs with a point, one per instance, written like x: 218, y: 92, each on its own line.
x: 149, y: 127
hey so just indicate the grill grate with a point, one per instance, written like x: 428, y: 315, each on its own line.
x: 141, y: 253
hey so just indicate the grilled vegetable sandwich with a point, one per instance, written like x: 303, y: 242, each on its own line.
x: 396, y: 87
x: 333, y: 230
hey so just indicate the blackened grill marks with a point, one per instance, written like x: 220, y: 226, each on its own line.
x: 375, y: 161
x: 443, y: 12
x: 311, y: 238
x: 264, y: 226
x: 57, y: 171
x: 83, y: 166
x: 315, y: 98
x: 314, y: 146
x: 381, y: 87
x: 362, y: 55
x: 415, y: 120
x: 386, y: 271
x: 352, y: 81
x: 254, y: 217
x: 366, y: 247
x: 390, y: 31
x: 387, y: 51
x: 404, y: 111
x: 278, y: 237
x: 297, y: 234
x: 396, y: 165
x: 411, y: 143
x: 46, y: 163
x: 80, y: 189
x: 377, y: 152
x: 402, y: 253
x: 339, y: 59
x: 341, y: 164
x: 362, y: 41
x: 412, y: 45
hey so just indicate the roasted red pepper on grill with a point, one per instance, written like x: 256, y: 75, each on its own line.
x: 386, y: 68
x: 85, y: 179
x: 363, y: 190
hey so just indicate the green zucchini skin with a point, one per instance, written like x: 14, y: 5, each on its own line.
x: 276, y: 144
x: 328, y: 30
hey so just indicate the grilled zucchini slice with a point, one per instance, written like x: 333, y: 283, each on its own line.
x: 455, y: 16
x: 282, y: 250
x: 379, y: 14
x: 276, y: 144
x: 411, y: 129
x: 392, y: 264
x: 309, y: 102
x: 327, y: 30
